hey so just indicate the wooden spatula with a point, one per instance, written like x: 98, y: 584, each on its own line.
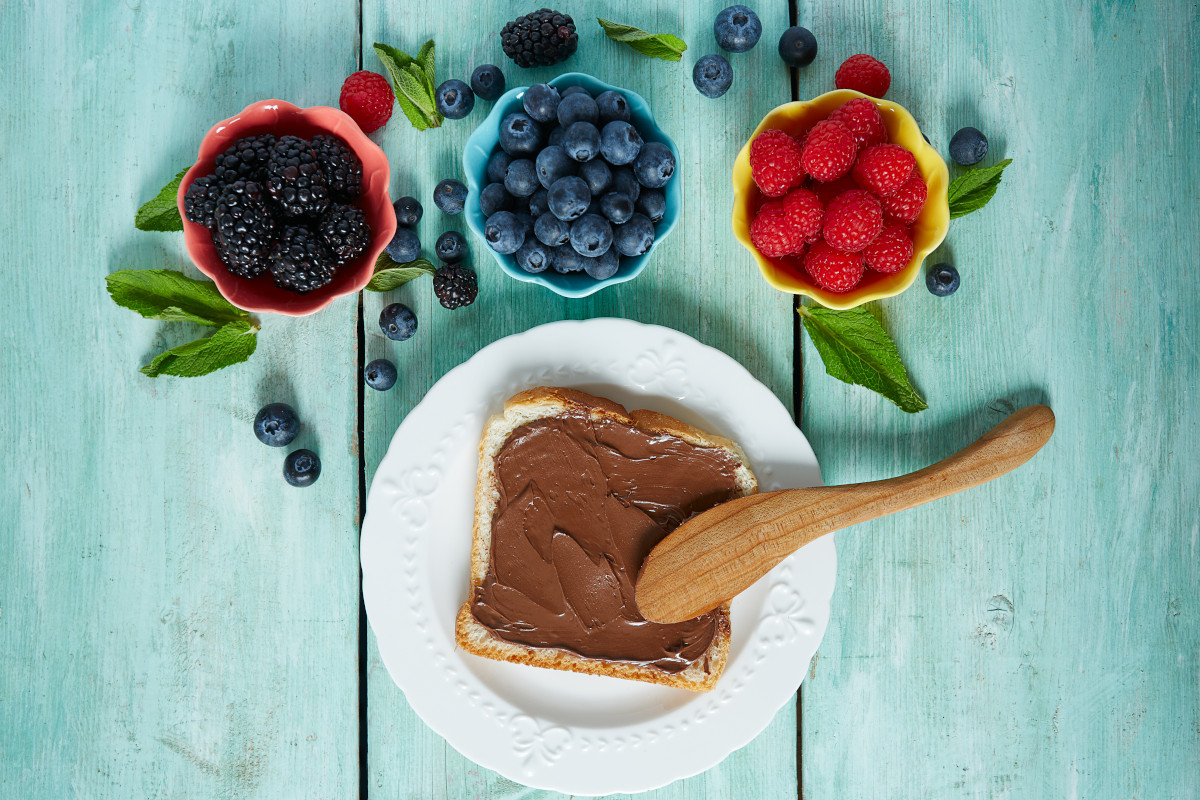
x: 715, y: 555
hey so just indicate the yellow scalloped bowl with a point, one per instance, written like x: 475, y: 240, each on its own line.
x: 928, y: 230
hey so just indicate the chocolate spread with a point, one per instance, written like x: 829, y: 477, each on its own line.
x: 582, y: 503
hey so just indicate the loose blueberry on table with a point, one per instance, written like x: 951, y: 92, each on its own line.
x: 398, y: 322
x: 302, y: 468
x: 487, y: 82
x: 276, y: 424
x: 380, y: 374
x: 737, y: 29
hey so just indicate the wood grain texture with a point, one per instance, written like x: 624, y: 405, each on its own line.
x: 1038, y: 636
x: 175, y: 621
x: 700, y: 282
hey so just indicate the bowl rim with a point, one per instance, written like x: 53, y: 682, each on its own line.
x: 377, y: 180
x: 482, y: 142
x: 937, y: 211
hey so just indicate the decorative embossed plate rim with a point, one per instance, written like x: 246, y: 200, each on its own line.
x: 572, y: 733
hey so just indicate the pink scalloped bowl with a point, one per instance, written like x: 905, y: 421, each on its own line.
x: 282, y: 118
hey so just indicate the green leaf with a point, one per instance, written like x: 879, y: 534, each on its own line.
x: 233, y: 343
x: 424, y: 60
x: 391, y: 275
x: 171, y: 296
x: 415, y: 95
x: 657, y: 45
x: 973, y: 189
x: 856, y: 349
x: 161, y: 213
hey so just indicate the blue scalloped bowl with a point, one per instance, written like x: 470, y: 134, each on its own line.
x: 486, y: 139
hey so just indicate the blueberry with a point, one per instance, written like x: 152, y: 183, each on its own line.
x: 737, y: 29
x: 569, y: 198
x: 942, y: 280
x: 398, y: 322
x: 612, y: 106
x: 552, y: 231
x: 573, y: 90
x: 451, y: 247
x: 533, y: 256
x: 380, y: 374
x: 496, y: 166
x: 564, y: 259
x: 616, y: 207
x: 654, y: 166
x: 408, y: 211
x: 712, y: 75
x: 539, y: 203
x: 302, y: 468
x: 276, y: 424
x: 503, y: 232
x: 652, y: 203
x: 591, y: 235
x: 405, y: 246
x: 525, y: 220
x: 968, y: 146
x: 450, y: 196
x: 597, y: 175
x: 494, y: 198
x: 556, y: 136
x: 620, y: 143
x: 520, y: 135
x: 797, y: 47
x: 554, y: 163
x: 582, y: 141
x: 578, y: 107
x: 604, y: 266
x: 635, y: 236
x: 521, y: 178
x: 625, y: 182
x: 541, y: 102
x: 454, y: 99
x: 487, y: 82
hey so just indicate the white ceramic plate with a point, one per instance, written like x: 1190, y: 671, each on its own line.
x: 581, y: 734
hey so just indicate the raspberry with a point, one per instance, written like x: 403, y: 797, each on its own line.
x: 804, y: 212
x: 892, y: 249
x: 852, y: 220
x: 825, y: 192
x: 865, y: 74
x: 906, y: 203
x: 833, y: 269
x: 863, y: 119
x: 775, y: 162
x: 773, y: 233
x: 368, y: 99
x: 883, y: 169
x: 829, y: 151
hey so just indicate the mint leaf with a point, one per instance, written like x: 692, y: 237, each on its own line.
x: 161, y: 213
x: 973, y: 189
x: 657, y: 45
x: 415, y: 95
x: 856, y: 349
x: 424, y: 60
x: 233, y: 343
x: 391, y: 275
x: 171, y: 296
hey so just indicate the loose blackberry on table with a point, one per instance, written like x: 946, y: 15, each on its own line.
x: 455, y: 286
x: 540, y: 38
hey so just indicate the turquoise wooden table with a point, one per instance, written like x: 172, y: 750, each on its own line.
x: 175, y: 622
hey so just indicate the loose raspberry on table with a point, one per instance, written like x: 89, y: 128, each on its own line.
x: 829, y: 151
x: 367, y: 98
x: 805, y: 213
x: 906, y: 203
x: 852, y: 220
x: 775, y: 162
x: 863, y: 119
x: 833, y: 269
x: 863, y: 73
x: 773, y: 233
x: 892, y: 249
x: 883, y: 168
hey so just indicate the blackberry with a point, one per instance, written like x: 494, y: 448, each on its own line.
x: 245, y: 227
x: 245, y: 160
x: 345, y: 232
x: 299, y: 262
x: 295, y: 180
x: 455, y: 286
x: 342, y: 170
x: 200, y: 202
x: 540, y: 38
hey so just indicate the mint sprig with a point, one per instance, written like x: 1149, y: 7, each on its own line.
x: 390, y: 274
x: 857, y: 350
x: 973, y: 189
x: 413, y: 83
x: 161, y: 213
x: 233, y: 343
x: 655, y: 45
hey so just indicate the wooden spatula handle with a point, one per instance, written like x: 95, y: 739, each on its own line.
x: 717, y: 554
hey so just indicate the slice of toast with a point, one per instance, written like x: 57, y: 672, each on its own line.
x: 530, y: 407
